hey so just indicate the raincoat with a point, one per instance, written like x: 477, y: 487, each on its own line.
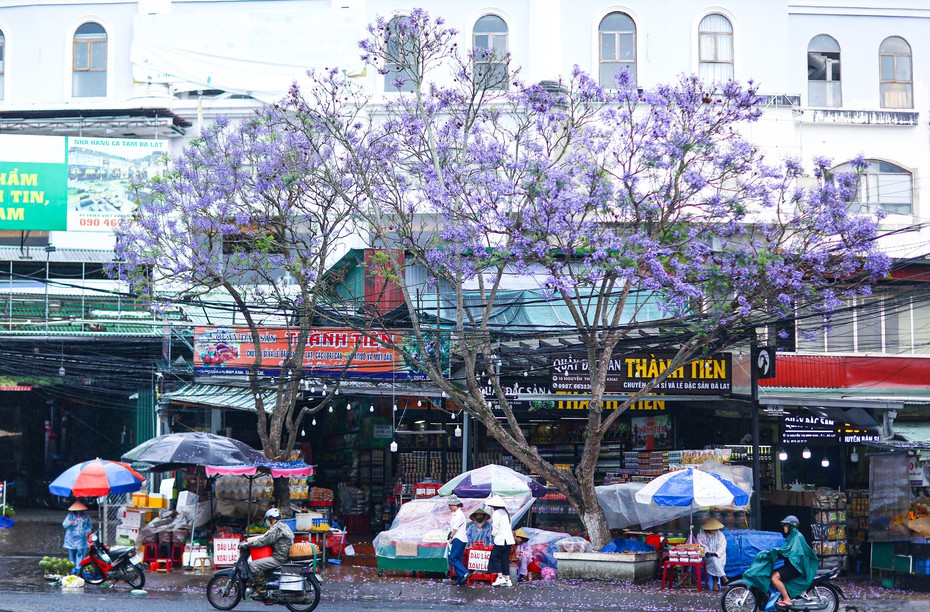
x: 714, y: 542
x: 795, y: 550
x: 77, y: 526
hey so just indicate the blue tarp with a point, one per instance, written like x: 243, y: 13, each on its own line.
x: 744, y: 544
x: 626, y: 544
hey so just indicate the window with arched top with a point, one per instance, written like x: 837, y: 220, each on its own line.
x: 2, y: 65
x: 89, y: 64
x: 617, y: 48
x: 823, y: 72
x: 402, y: 57
x: 490, y: 44
x: 883, y: 186
x: 896, y: 80
x: 715, y: 48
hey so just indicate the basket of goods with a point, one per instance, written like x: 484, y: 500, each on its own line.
x: 302, y: 550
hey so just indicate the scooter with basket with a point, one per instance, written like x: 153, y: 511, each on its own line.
x: 294, y: 585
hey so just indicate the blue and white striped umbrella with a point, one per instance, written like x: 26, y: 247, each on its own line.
x: 692, y: 487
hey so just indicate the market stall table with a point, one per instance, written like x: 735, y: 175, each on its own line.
x: 670, y: 568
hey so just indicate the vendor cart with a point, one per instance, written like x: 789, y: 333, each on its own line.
x: 407, y: 556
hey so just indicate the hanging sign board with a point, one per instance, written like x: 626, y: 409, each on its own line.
x: 627, y: 374
x: 224, y: 351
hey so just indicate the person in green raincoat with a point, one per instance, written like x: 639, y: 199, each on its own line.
x: 795, y: 576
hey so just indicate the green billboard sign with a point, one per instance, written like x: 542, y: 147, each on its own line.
x: 54, y: 183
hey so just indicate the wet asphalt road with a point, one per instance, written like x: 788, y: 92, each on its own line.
x: 38, y: 533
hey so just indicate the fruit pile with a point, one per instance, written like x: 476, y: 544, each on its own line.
x: 57, y: 566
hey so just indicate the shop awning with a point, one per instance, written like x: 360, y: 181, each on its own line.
x: 219, y: 396
x: 278, y: 469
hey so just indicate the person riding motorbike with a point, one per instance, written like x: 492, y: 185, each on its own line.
x: 799, y: 569
x: 280, y: 537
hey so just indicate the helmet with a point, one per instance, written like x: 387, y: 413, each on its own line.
x: 273, y: 513
x: 791, y: 520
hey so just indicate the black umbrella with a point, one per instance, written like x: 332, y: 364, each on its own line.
x: 177, y: 450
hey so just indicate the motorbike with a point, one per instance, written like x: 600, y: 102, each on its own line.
x: 294, y: 585
x: 116, y: 563
x: 822, y: 595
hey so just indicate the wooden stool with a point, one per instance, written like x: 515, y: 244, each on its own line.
x: 162, y: 565
x: 201, y: 563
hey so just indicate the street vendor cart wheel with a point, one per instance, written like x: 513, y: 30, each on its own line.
x: 738, y: 598
x: 217, y: 593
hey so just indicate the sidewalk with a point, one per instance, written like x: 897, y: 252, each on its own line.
x: 34, y: 536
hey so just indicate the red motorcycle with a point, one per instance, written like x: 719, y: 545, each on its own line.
x: 117, y: 563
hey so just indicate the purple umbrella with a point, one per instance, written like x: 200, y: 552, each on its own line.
x: 492, y: 480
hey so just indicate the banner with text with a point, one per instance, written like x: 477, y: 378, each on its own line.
x: 230, y: 351
x: 52, y: 183
x: 628, y: 373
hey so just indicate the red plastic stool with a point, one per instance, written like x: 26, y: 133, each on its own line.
x: 177, y: 553
x: 161, y: 565
x: 150, y: 552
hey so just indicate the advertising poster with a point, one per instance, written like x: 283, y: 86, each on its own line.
x: 652, y: 432
x: 100, y: 173
x: 56, y: 183
x: 229, y: 351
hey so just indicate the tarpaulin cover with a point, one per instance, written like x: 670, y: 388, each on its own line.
x: 619, y: 545
x: 540, y: 547
x: 491, y: 480
x: 622, y: 510
x: 232, y: 54
x: 744, y: 544
x: 421, y: 526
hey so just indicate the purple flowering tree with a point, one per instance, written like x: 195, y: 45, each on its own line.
x: 645, y: 214
x: 244, y: 217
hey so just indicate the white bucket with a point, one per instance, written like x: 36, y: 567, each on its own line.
x: 292, y: 583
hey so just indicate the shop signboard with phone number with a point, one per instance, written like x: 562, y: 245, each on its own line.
x: 626, y: 374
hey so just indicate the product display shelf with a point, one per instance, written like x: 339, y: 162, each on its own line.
x: 857, y: 520
x: 553, y: 512
x: 828, y: 524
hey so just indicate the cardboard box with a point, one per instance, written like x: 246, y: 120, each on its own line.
x: 135, y: 518
x: 129, y: 532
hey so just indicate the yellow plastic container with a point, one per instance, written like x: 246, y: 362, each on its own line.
x: 140, y: 500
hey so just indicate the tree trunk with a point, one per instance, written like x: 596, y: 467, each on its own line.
x: 592, y: 515
x: 596, y: 524
x: 282, y: 496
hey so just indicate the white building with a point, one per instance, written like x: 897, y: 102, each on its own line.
x: 841, y: 78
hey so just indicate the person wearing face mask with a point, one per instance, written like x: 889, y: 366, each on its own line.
x: 479, y: 529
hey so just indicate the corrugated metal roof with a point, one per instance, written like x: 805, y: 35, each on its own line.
x: 217, y: 396
x: 40, y: 255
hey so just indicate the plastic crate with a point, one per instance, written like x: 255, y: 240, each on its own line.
x: 357, y: 524
x: 260, y: 552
